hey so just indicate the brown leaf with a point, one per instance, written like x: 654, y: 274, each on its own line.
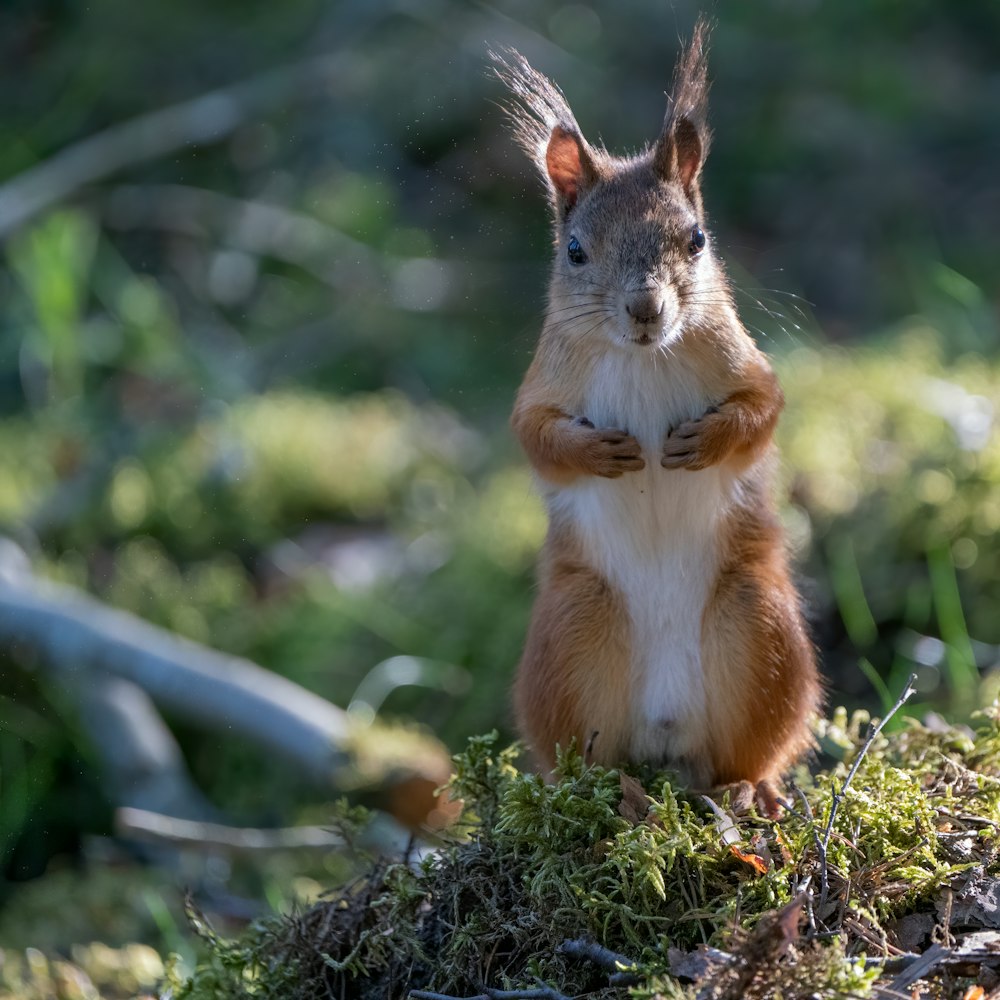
x: 754, y: 860
x: 786, y: 855
x: 635, y: 802
x: 789, y: 918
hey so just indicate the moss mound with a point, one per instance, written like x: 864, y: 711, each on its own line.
x: 611, y: 884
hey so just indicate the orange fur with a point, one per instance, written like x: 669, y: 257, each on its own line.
x: 577, y: 651
x: 666, y: 620
x: 758, y: 660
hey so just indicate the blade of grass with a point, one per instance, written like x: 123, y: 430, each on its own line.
x: 963, y: 675
x: 875, y: 679
x: 849, y: 593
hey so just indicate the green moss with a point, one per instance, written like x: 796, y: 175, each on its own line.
x: 539, y: 863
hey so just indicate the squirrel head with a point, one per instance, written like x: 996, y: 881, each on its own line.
x: 633, y: 262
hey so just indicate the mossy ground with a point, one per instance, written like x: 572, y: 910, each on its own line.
x: 652, y: 877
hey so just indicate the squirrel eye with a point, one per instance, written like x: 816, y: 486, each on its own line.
x: 575, y: 252
x: 697, y: 243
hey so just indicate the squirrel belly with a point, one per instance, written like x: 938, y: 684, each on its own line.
x: 653, y: 538
x: 666, y: 623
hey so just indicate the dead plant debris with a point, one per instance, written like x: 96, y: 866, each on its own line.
x: 879, y: 879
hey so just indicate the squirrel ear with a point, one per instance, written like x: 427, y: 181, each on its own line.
x: 681, y: 149
x: 544, y: 125
x: 569, y: 166
x: 680, y: 153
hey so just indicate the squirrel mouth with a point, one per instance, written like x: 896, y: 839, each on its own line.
x: 645, y: 339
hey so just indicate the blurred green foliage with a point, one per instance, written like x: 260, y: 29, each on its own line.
x: 254, y: 383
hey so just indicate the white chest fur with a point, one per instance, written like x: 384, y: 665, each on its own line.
x: 654, y: 535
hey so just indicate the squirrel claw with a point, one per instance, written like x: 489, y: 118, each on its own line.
x: 744, y: 796
x: 690, y: 446
x: 610, y: 452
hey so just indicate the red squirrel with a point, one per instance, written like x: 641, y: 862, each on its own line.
x: 666, y: 628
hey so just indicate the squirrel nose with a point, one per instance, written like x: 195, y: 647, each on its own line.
x: 644, y: 307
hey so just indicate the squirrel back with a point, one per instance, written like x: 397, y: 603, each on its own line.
x: 666, y: 627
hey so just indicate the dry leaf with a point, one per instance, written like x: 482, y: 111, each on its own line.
x: 754, y: 860
x: 635, y: 802
x: 786, y: 855
x: 789, y: 918
x: 974, y: 993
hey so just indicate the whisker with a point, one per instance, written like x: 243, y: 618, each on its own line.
x: 578, y: 279
x: 599, y: 323
x: 573, y: 306
x: 570, y: 320
x: 778, y: 311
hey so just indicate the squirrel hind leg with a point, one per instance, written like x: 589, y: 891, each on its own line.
x: 573, y: 682
x: 761, y: 677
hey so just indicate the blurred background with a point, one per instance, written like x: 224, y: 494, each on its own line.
x: 270, y: 275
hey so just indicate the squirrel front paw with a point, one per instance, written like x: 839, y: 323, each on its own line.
x: 696, y: 444
x: 606, y: 451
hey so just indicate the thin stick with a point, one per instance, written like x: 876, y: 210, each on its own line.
x: 540, y: 993
x: 611, y: 961
x: 807, y: 814
x: 603, y: 957
x: 873, y: 730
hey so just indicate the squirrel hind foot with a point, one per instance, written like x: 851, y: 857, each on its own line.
x: 745, y: 795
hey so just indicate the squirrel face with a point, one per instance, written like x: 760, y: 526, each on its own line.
x: 633, y: 265
x: 632, y: 259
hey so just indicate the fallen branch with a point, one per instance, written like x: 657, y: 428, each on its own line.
x: 381, y: 834
x: 142, y: 764
x: 155, y: 828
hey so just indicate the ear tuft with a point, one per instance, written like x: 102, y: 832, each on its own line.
x: 545, y: 127
x: 680, y: 151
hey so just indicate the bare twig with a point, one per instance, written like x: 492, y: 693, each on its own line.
x: 611, y: 961
x: 838, y: 797
x: 208, y: 118
x: 382, y: 833
x: 919, y: 969
x: 804, y: 888
x: 538, y: 993
x: 262, y: 228
x: 807, y: 810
